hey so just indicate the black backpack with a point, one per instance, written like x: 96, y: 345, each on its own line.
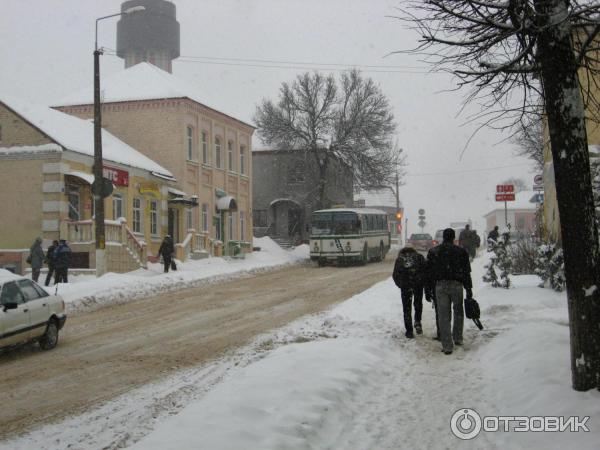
x: 472, y: 311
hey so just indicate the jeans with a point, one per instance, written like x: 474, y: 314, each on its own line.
x: 407, y: 294
x: 449, y: 296
x: 49, y: 276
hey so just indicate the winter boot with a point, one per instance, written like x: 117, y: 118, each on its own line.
x: 409, y: 334
x: 418, y: 328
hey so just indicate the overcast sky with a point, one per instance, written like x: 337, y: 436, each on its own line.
x: 46, y: 53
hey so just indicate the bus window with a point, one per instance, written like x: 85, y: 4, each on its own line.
x: 335, y: 223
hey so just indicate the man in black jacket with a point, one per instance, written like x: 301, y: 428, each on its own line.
x: 409, y: 276
x: 449, y: 270
x: 166, y: 250
x: 50, y: 261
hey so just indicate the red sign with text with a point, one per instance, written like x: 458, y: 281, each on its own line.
x: 505, y: 197
x: 501, y: 188
x: 117, y: 176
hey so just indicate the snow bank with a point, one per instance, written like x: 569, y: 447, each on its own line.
x: 85, y: 292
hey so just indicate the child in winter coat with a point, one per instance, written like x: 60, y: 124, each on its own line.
x: 410, y: 276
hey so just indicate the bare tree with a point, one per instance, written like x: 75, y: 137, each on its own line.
x: 518, y: 183
x: 352, y: 123
x: 529, y: 139
x: 535, y: 51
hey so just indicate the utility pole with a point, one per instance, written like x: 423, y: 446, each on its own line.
x: 98, y: 185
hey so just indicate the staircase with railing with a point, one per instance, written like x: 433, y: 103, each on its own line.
x: 194, y: 246
x: 124, y: 251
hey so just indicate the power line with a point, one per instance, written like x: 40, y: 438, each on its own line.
x: 458, y: 172
x: 272, y: 64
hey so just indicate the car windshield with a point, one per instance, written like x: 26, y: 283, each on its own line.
x: 335, y: 223
x: 420, y: 237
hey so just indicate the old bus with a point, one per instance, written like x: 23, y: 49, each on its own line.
x: 346, y: 235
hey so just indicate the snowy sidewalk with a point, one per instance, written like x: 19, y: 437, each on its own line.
x: 86, y: 292
x: 348, y: 379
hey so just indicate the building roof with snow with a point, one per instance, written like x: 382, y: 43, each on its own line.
x: 144, y: 81
x: 523, y: 202
x: 381, y: 197
x: 77, y: 135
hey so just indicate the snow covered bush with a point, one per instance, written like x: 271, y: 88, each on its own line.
x: 500, y: 262
x: 550, y: 266
x: 523, y: 254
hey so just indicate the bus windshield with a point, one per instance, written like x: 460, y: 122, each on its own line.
x: 335, y: 223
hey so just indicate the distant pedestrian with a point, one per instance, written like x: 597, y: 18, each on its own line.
x: 409, y: 275
x: 469, y: 240
x: 449, y: 271
x: 50, y: 261
x: 36, y: 258
x: 62, y: 261
x: 166, y: 250
x: 492, y: 238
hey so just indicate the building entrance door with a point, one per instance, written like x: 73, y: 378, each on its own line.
x: 174, y: 224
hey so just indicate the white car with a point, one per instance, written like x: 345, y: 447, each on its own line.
x: 28, y: 312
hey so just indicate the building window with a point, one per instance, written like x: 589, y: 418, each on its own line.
x: 230, y: 225
x: 218, y: 152
x: 204, y: 217
x: 0, y: 133
x: 74, y: 202
x: 117, y: 204
x: 204, y: 147
x: 153, y: 217
x: 190, y: 143
x: 217, y: 222
x: 259, y: 217
x: 137, y: 215
x: 242, y: 226
x: 189, y: 219
x: 295, y: 174
x: 230, y: 154
x: 242, y: 159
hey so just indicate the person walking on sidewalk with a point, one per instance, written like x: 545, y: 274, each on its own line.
x: 409, y: 276
x: 449, y: 271
x: 62, y: 261
x: 36, y: 258
x: 50, y: 261
x: 166, y: 250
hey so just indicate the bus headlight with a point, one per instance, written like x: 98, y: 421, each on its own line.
x: 316, y: 247
x: 348, y: 247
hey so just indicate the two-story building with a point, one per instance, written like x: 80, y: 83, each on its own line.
x: 285, y: 192
x: 208, y: 151
x: 46, y: 160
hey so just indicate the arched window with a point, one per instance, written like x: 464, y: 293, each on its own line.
x: 218, y: 152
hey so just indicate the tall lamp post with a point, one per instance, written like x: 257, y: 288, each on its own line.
x: 98, y: 186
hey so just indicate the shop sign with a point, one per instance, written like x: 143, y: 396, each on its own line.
x: 118, y: 177
x: 147, y: 187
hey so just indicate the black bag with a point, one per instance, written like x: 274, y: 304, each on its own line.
x: 29, y: 259
x: 472, y: 311
x: 173, y: 265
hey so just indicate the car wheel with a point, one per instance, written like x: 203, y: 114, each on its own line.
x: 321, y: 262
x: 50, y: 338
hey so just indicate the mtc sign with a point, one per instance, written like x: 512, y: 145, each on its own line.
x: 118, y: 177
x: 505, y: 193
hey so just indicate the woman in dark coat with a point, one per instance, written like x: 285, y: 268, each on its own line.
x: 36, y: 258
x: 166, y: 250
x: 410, y: 275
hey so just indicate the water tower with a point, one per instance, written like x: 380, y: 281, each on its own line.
x: 151, y: 35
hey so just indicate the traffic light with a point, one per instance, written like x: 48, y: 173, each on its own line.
x: 399, y: 215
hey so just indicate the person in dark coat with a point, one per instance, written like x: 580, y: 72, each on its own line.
x: 50, y: 261
x: 409, y: 275
x: 36, y: 258
x: 493, y: 237
x: 62, y: 261
x: 449, y: 270
x: 166, y: 250
x: 469, y: 240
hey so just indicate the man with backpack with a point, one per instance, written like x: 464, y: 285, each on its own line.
x: 409, y: 275
x: 449, y: 270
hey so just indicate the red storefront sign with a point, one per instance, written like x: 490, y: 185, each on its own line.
x: 500, y: 188
x: 117, y: 176
x: 505, y: 197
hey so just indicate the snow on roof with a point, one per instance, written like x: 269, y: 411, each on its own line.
x: 383, y: 197
x: 354, y: 210
x: 144, y: 81
x: 43, y: 148
x: 259, y: 146
x: 522, y: 201
x: 77, y: 135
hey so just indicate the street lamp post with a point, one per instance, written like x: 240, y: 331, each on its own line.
x: 98, y: 186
